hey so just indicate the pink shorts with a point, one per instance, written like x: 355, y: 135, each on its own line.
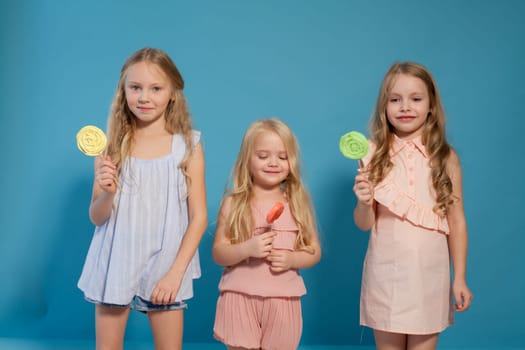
x: 253, y: 322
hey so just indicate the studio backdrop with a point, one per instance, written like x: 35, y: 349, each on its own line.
x: 317, y: 65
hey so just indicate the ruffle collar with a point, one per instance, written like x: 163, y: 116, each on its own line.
x: 401, y: 204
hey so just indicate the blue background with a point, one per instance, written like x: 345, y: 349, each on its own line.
x: 315, y: 64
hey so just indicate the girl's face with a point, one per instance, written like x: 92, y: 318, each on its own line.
x: 408, y: 106
x: 269, y: 165
x: 148, y: 92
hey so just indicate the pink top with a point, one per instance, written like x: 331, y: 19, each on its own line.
x: 253, y: 276
x: 406, y: 274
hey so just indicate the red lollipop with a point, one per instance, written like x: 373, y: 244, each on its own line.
x: 275, y: 212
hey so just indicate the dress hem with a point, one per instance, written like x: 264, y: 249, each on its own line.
x: 411, y: 332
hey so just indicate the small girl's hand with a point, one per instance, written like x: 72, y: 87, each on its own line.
x: 463, y: 296
x: 106, y: 174
x: 260, y: 246
x: 363, y: 189
x: 280, y: 260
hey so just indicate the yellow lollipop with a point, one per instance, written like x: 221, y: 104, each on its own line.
x: 91, y: 140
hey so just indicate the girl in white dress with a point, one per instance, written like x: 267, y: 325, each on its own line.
x: 148, y: 205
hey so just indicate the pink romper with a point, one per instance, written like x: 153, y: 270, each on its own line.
x: 406, y: 274
x: 257, y: 307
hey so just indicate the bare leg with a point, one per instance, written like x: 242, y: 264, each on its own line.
x: 167, y: 328
x: 110, y: 326
x: 422, y: 342
x: 390, y: 341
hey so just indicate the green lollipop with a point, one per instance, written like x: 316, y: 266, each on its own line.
x: 353, y: 145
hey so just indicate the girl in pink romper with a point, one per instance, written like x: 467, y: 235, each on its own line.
x: 409, y: 194
x: 259, y: 305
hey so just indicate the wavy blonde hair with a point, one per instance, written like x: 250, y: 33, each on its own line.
x: 239, y: 221
x: 433, y: 136
x: 122, y: 122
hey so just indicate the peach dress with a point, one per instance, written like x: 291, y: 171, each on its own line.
x: 406, y: 274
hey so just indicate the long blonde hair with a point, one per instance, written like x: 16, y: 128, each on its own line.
x: 240, y: 223
x: 122, y: 122
x: 433, y: 136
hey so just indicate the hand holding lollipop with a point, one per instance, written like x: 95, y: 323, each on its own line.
x: 91, y: 140
x: 261, y: 244
x: 354, y: 145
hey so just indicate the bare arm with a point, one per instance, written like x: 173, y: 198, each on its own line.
x: 283, y: 260
x: 198, y: 214
x: 104, y: 188
x: 227, y: 254
x: 303, y: 259
x: 458, y: 238
x: 168, y: 287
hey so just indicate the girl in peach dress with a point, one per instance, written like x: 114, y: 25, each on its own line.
x: 409, y: 194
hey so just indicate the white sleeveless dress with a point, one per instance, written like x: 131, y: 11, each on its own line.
x: 137, y: 245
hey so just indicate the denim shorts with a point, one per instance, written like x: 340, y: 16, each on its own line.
x: 144, y: 305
